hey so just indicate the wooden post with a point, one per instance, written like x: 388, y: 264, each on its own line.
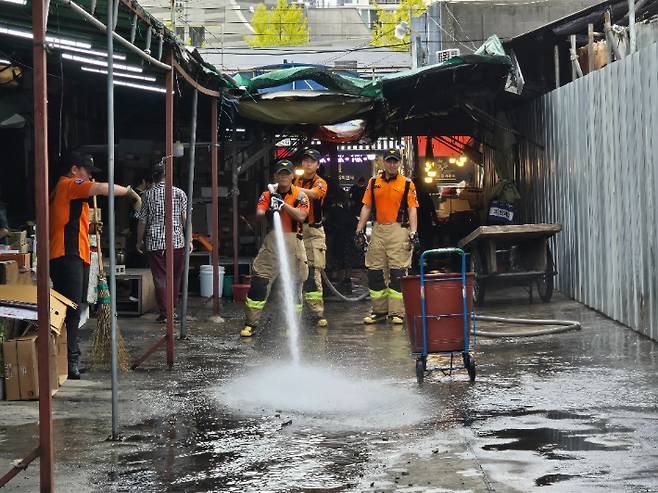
x: 40, y: 95
x: 556, y: 54
x: 590, y: 48
x: 169, y: 208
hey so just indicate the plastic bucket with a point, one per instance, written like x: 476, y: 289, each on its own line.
x: 205, y: 277
x: 240, y: 292
x: 228, y: 287
x: 443, y: 296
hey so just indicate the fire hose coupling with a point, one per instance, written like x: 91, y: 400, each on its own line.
x: 276, y: 202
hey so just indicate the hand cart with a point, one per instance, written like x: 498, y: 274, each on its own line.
x: 438, y: 315
x: 513, y: 255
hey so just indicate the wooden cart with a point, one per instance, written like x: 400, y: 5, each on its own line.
x: 512, y: 255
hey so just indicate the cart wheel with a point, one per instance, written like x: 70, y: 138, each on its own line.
x: 470, y: 367
x: 420, y: 370
x: 545, y: 282
x: 477, y: 266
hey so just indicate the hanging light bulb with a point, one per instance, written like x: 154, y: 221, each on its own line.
x: 299, y: 172
x: 428, y: 179
x: 431, y: 174
x: 452, y: 160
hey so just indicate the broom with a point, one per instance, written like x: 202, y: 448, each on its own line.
x: 101, y: 348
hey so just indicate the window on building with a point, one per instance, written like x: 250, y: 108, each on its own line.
x: 180, y: 34
x: 198, y: 36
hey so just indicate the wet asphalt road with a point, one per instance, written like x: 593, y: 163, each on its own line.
x: 570, y: 412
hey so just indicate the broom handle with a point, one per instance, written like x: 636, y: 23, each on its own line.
x: 99, y: 250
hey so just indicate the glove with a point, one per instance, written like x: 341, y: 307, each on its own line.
x: 272, y: 187
x: 414, y: 241
x: 276, y: 202
x: 360, y: 239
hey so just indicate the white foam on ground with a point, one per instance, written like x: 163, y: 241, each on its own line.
x: 324, y: 397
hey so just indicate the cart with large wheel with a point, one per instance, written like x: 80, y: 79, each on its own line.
x: 438, y: 316
x: 513, y: 255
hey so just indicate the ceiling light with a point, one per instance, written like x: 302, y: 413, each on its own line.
x: 19, y: 33
x: 117, y: 56
x: 147, y: 78
x: 452, y: 160
x: 431, y: 174
x: 100, y: 63
x: 140, y: 86
x: 461, y: 163
x: 299, y: 172
x: 428, y: 179
x: 4, y: 62
x: 17, y: 2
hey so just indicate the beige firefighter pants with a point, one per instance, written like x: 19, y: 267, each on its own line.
x: 316, y: 250
x: 387, y: 259
x: 265, y: 271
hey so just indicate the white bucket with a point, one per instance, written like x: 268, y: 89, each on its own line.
x: 205, y: 275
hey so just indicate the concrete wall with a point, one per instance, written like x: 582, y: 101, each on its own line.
x: 467, y: 23
x: 596, y: 173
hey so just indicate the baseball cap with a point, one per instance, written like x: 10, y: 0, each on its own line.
x: 312, y: 153
x: 77, y: 158
x: 283, y: 165
x: 392, y: 154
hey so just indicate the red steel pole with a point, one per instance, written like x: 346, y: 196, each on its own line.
x: 215, y: 206
x: 43, y: 243
x: 169, y: 209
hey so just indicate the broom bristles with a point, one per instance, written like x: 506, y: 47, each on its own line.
x: 101, y: 348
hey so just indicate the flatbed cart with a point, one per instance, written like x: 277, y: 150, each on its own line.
x: 438, y: 315
x: 513, y: 255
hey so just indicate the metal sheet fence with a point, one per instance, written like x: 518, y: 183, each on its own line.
x: 598, y: 175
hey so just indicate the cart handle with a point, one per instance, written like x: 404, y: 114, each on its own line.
x: 423, y: 307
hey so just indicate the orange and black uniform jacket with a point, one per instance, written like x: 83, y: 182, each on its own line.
x: 295, y: 198
x: 388, y: 197
x: 316, y: 183
x: 69, y: 218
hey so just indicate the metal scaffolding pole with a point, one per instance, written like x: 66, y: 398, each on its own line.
x: 188, y: 222
x: 215, y: 206
x: 112, y: 226
x: 169, y: 209
x: 43, y: 244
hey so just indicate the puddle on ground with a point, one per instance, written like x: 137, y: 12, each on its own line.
x: 324, y: 397
x: 550, y: 479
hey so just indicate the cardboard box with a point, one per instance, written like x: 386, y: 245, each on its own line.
x: 23, y: 259
x: 8, y: 272
x: 22, y: 381
x: 17, y: 237
x: 20, y: 302
x: 61, y: 350
x: 450, y: 205
x: 12, y: 389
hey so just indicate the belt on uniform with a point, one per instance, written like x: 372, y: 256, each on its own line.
x: 300, y: 236
x: 316, y: 225
x: 404, y: 225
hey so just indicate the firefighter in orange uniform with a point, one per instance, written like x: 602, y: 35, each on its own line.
x: 69, y: 240
x: 391, y: 199
x: 313, y: 233
x: 292, y: 205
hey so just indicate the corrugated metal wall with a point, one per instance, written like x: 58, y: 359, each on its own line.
x: 598, y: 175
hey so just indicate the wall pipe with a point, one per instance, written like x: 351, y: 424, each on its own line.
x: 40, y: 93
x: 188, y: 221
x: 215, y: 205
x: 118, y: 38
x: 169, y: 210
x: 111, y: 12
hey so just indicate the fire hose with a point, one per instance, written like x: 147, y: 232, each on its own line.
x: 339, y: 294
x: 562, y: 326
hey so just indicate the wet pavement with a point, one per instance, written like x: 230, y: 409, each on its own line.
x: 576, y: 411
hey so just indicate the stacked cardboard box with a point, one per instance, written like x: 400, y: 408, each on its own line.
x: 18, y: 241
x: 22, y: 259
x: 21, y: 353
x: 8, y: 272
